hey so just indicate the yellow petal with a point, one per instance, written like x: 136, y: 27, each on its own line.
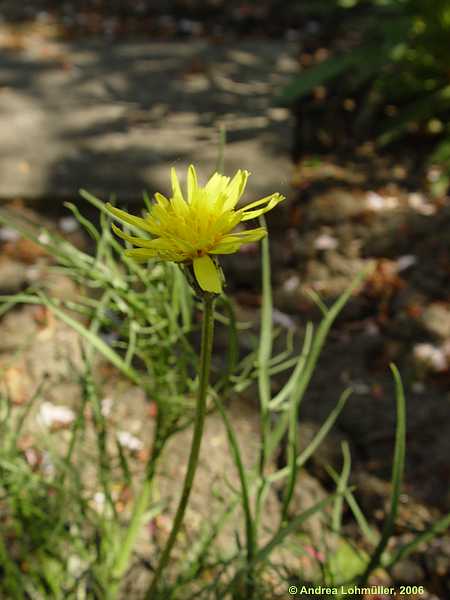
x: 140, y: 254
x: 157, y: 247
x: 179, y: 206
x: 125, y: 217
x: 144, y: 254
x: 226, y: 247
x: 235, y: 189
x: 249, y: 235
x: 207, y: 274
x: 144, y: 243
x: 270, y: 201
x: 192, y: 184
x: 231, y: 243
x: 176, y: 189
x: 272, y: 198
x: 216, y: 185
x: 162, y: 201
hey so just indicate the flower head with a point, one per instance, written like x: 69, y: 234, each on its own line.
x: 194, y: 227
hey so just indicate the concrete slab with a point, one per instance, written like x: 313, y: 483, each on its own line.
x: 113, y: 118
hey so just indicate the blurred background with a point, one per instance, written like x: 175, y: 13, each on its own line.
x: 342, y: 105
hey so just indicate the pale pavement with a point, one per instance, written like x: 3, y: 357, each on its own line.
x: 113, y: 118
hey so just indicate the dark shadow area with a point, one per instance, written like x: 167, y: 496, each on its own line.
x: 175, y: 19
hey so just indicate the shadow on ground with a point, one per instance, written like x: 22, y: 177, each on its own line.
x: 114, y: 118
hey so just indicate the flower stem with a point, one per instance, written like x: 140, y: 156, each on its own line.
x: 205, y: 365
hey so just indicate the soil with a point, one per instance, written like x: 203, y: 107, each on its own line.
x: 161, y: 19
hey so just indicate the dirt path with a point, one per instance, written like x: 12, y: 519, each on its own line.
x: 113, y: 117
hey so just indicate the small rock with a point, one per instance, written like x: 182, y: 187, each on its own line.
x: 436, y: 319
x: 377, y: 202
x: 24, y: 250
x: 326, y: 242
x: 15, y: 383
x: 419, y: 203
x: 8, y: 234
x: 129, y: 441
x: 68, y: 224
x: 431, y: 357
x: 55, y: 417
x: 13, y: 276
x: 406, y: 261
x: 408, y: 571
x: 337, y: 205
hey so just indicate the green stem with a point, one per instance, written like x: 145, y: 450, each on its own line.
x: 140, y: 506
x: 205, y: 365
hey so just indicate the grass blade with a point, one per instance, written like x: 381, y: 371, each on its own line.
x: 318, y: 438
x: 96, y: 342
x: 422, y: 538
x: 234, y: 447
x: 397, y: 477
x: 336, y: 521
x: 319, y: 340
x: 364, y: 526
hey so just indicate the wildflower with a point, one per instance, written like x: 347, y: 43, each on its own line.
x: 192, y: 229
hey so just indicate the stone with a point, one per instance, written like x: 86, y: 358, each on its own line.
x: 408, y: 571
x: 436, y: 319
x: 337, y: 205
x: 13, y: 276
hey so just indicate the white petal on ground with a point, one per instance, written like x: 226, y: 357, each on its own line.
x: 68, y: 224
x: 50, y: 415
x: 292, y: 283
x: 128, y: 440
x: 431, y: 356
x: 406, y: 261
x: 420, y: 204
x: 377, y: 202
x: 106, y: 406
x: 326, y: 242
x: 7, y: 234
x: 99, y: 500
x: 281, y: 318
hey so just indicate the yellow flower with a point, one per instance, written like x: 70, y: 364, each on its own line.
x: 189, y: 229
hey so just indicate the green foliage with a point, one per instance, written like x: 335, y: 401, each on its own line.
x: 136, y: 317
x: 345, y: 564
x: 48, y: 524
x: 400, y: 61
